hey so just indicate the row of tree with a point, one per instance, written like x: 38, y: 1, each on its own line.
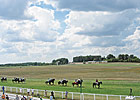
x: 62, y: 61
x: 122, y: 58
x: 109, y: 58
x: 27, y: 64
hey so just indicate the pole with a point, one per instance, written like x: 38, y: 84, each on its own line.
x: 80, y: 91
x: 80, y: 88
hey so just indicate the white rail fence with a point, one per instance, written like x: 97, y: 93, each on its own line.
x: 61, y: 94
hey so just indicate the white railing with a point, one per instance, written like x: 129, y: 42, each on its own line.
x: 61, y: 94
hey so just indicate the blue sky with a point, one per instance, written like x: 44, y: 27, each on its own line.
x: 43, y: 30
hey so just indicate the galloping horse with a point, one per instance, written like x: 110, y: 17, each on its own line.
x: 63, y: 82
x: 21, y: 80
x: 78, y: 82
x: 15, y: 80
x: 18, y: 80
x: 50, y: 81
x: 3, y: 79
x: 98, y: 84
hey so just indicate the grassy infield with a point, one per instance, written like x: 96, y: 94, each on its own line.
x: 117, y: 78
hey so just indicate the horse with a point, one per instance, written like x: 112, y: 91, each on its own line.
x: 78, y: 82
x: 63, y: 82
x: 50, y: 81
x: 15, y: 80
x: 21, y: 80
x: 3, y: 79
x: 98, y: 84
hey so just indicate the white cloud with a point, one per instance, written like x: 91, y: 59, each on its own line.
x: 101, y: 23
x: 31, y: 39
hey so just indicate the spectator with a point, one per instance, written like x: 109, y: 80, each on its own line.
x: 40, y: 98
x: 23, y: 98
x: 31, y: 97
x: 28, y: 92
x: 52, y: 94
x: 45, y: 93
x: 20, y: 90
x: 32, y: 92
x: 3, y: 89
x: 7, y: 98
x: 3, y: 96
x: 66, y: 94
x: 17, y: 98
x: 51, y: 97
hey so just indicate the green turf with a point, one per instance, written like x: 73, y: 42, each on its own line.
x: 116, y: 87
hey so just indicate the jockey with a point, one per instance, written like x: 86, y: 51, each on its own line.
x: 97, y: 81
x: 78, y: 79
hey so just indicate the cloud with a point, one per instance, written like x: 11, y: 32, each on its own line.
x: 101, y: 23
x: 13, y: 9
x: 98, y: 5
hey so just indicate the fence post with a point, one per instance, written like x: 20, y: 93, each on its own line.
x: 83, y: 95
x: 23, y: 91
x: 120, y: 97
x: 10, y: 89
x: 16, y: 90
x: 5, y: 88
x: 106, y: 97
x: 72, y: 95
x: 94, y: 97
x: 62, y: 95
x: 44, y: 94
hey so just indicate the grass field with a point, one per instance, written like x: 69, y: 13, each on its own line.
x: 117, y: 78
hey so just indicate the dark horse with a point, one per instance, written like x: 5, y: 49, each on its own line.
x: 3, y: 79
x: 15, y: 80
x: 63, y: 82
x: 21, y: 80
x: 77, y: 82
x: 98, y: 84
x: 50, y: 81
x: 18, y: 80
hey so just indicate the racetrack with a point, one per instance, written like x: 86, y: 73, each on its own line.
x: 117, y: 78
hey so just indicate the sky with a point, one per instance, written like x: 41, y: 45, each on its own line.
x: 43, y: 30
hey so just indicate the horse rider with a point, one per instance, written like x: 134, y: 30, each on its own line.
x: 78, y: 79
x: 97, y: 81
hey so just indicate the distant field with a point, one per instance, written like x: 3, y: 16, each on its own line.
x: 117, y: 78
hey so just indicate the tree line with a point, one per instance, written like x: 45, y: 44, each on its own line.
x: 108, y: 58
x: 26, y: 64
x: 62, y: 61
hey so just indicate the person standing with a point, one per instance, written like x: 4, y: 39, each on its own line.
x: 45, y: 93
x: 66, y: 94
x: 3, y: 96
x: 3, y: 89
x: 7, y: 98
x: 51, y: 97
x: 20, y: 90
x: 17, y: 98
x: 52, y: 94
x: 28, y: 92
x: 32, y: 92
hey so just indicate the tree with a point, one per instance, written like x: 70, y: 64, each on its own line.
x: 60, y: 61
x: 110, y: 56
